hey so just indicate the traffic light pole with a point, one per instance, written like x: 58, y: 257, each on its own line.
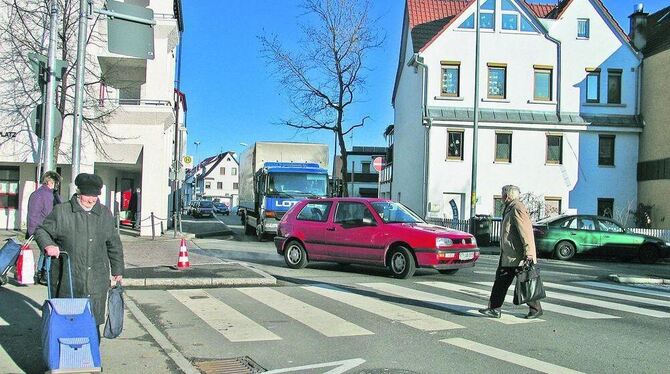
x: 79, y: 92
x: 49, y: 161
x: 475, y: 124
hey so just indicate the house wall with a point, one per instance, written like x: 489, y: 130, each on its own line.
x: 655, y: 139
x: 409, y: 146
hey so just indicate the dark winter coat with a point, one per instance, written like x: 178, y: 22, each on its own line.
x: 40, y: 204
x: 91, y: 240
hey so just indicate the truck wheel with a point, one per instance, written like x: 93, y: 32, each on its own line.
x: 248, y: 230
x: 260, y: 235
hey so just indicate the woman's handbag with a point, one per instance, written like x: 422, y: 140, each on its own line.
x: 114, y: 324
x: 528, y: 284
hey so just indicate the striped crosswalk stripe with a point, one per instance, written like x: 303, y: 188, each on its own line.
x: 229, y: 322
x: 3, y: 322
x: 600, y: 303
x: 324, y: 322
x: 384, y: 309
x: 449, y: 303
x: 611, y: 295
x: 546, y: 306
x: 513, y: 358
x: 631, y: 289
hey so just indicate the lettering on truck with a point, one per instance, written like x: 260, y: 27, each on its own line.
x: 285, y: 203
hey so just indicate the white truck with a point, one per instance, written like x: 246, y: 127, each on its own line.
x: 276, y: 175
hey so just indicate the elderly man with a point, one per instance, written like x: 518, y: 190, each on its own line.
x: 85, y: 229
x: 517, y: 245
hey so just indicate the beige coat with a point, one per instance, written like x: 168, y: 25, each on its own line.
x: 516, y: 237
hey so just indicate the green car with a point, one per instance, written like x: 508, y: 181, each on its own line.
x: 566, y: 235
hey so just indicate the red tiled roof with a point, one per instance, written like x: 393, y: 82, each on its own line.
x: 541, y: 10
x: 424, y: 11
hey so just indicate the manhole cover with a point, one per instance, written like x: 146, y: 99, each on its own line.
x: 237, y: 365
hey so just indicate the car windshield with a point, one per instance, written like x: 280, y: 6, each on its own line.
x: 302, y: 184
x: 392, y: 212
x: 205, y: 204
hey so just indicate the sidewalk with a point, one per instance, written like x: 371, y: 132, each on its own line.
x: 152, y: 264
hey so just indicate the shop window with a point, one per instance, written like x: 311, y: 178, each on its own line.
x: 9, y: 187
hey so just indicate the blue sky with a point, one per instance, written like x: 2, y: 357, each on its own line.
x: 232, y: 96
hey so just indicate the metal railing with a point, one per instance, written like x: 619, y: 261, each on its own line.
x: 136, y: 102
x: 465, y: 225
x: 659, y: 233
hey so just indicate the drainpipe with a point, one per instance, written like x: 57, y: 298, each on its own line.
x: 427, y: 123
x: 558, y: 74
x: 638, y: 89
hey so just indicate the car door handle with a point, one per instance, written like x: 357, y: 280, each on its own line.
x: 330, y: 229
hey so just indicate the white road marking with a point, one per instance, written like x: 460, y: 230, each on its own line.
x: 229, y: 322
x: 456, y: 305
x: 385, y: 309
x: 631, y: 289
x: 325, y: 323
x: 509, y: 298
x: 342, y: 367
x: 510, y: 357
x: 3, y: 322
x: 611, y: 295
x: 600, y: 303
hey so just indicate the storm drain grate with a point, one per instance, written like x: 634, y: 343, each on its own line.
x: 237, y: 365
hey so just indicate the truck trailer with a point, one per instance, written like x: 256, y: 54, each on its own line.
x: 273, y: 177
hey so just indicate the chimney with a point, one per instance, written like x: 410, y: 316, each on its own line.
x: 638, y: 27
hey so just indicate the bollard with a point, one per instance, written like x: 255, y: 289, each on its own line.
x: 162, y: 231
x: 153, y: 227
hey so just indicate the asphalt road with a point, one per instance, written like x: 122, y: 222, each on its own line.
x: 360, y: 317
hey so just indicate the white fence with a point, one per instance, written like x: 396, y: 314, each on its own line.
x: 659, y: 233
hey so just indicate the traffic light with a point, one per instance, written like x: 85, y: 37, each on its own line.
x: 39, y: 66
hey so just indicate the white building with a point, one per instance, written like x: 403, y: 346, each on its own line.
x: 363, y: 178
x: 137, y: 150
x: 214, y: 178
x: 558, y: 107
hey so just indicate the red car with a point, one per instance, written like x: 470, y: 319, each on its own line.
x: 372, y: 232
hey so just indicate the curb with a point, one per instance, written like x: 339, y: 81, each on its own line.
x: 637, y: 279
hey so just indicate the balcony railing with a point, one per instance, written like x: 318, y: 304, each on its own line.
x: 136, y: 102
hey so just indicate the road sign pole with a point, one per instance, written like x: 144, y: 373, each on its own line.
x: 79, y: 92
x: 49, y: 107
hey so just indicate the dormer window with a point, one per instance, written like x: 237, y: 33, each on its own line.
x: 486, y: 17
x: 513, y: 19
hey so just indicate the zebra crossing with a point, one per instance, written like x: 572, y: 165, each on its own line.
x: 409, y: 304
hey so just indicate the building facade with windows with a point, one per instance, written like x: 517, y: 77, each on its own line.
x: 650, y: 33
x: 214, y: 178
x: 363, y: 178
x: 132, y: 148
x: 558, y: 103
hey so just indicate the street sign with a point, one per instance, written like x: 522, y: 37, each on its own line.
x: 378, y: 163
x: 37, y: 118
x: 130, y: 30
x: 187, y: 161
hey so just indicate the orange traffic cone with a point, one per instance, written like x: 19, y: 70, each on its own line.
x: 25, y: 266
x: 182, y: 262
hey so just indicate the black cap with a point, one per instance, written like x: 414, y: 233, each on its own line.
x: 88, y: 184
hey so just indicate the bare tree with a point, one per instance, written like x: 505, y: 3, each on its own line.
x: 325, y: 75
x: 24, y: 28
x: 537, y: 206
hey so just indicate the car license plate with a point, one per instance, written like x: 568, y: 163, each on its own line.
x: 466, y: 255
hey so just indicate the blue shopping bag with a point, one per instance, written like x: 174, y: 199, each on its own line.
x: 69, y: 333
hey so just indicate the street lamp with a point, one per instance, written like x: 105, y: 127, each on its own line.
x: 197, y: 143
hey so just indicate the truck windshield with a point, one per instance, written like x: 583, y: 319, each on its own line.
x: 392, y: 212
x: 298, y: 184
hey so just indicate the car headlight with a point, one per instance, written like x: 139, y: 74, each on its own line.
x: 443, y: 242
x: 667, y: 244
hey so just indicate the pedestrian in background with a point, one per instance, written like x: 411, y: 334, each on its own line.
x: 85, y: 229
x: 42, y: 201
x: 517, y: 245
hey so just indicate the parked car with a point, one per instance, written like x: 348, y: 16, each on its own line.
x: 221, y: 208
x: 372, y: 232
x: 202, y: 208
x: 567, y: 235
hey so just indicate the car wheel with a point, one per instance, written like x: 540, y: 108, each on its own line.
x: 3, y: 279
x: 295, y: 255
x: 648, y: 254
x: 448, y: 271
x: 564, y: 250
x: 401, y: 263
